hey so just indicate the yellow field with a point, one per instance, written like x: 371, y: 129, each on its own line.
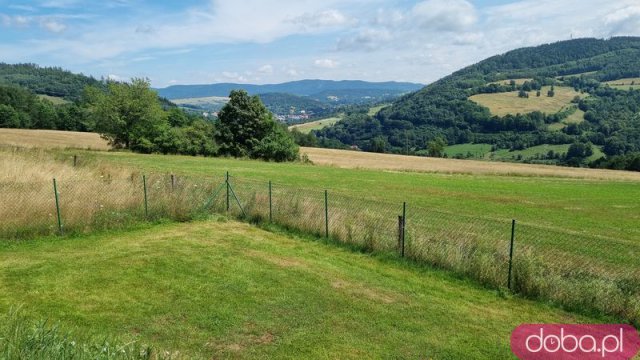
x: 49, y: 139
x: 315, y: 125
x: 502, y: 104
x: 355, y: 159
x: 625, y: 84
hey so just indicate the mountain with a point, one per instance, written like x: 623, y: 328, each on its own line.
x: 322, y: 90
x: 582, y: 91
x: 51, y: 81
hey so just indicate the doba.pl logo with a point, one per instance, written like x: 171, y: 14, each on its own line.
x: 550, y: 342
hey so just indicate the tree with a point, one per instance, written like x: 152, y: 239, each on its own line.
x: 129, y: 115
x: 435, y: 148
x: 247, y: 129
x: 9, y: 117
x: 523, y: 94
x: 551, y: 92
x: 378, y: 144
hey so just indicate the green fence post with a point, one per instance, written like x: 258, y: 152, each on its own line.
x: 55, y: 191
x: 227, y: 182
x: 404, y: 226
x: 270, y: 204
x: 326, y: 214
x: 513, y: 235
x: 144, y: 187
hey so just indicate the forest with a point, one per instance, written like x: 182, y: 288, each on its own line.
x: 442, y: 111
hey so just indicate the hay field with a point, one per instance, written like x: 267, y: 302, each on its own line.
x: 502, y: 104
x: 364, y: 160
x: 50, y: 139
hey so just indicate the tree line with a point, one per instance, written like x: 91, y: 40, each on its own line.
x: 131, y: 116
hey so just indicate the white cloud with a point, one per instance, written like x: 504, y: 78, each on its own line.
x: 444, y: 15
x: 322, y: 19
x: 625, y: 21
x: 53, y: 26
x: 266, y: 69
x: 114, y: 77
x: 326, y: 63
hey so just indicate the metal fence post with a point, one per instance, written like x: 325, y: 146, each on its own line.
x: 55, y: 191
x: 326, y: 214
x: 75, y: 160
x: 173, y: 182
x: 513, y: 235
x: 144, y: 187
x: 270, y: 204
x: 404, y: 226
x: 227, y: 182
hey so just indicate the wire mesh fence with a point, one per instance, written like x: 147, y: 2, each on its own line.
x: 576, y: 270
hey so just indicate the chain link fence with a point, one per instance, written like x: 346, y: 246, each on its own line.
x: 576, y: 270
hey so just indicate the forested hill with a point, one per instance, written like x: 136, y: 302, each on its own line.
x: 311, y: 88
x: 580, y: 92
x: 50, y: 81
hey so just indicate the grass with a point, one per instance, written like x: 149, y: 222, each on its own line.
x: 529, y: 153
x: 588, y: 205
x: 315, y: 125
x: 508, y: 82
x: 502, y: 104
x: 625, y: 84
x: 478, y: 151
x: 49, y: 139
x: 216, y: 289
x: 54, y: 99
x: 376, y: 109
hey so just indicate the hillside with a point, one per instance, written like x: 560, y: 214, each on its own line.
x: 544, y: 88
x: 50, y: 81
x: 323, y: 90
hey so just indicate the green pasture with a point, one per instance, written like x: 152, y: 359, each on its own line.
x: 222, y: 289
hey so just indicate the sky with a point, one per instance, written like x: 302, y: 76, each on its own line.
x: 273, y: 41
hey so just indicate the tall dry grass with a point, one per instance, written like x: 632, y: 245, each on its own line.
x: 92, y: 196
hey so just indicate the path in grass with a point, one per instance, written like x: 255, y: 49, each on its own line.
x: 226, y: 289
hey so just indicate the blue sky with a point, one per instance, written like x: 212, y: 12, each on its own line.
x: 268, y: 41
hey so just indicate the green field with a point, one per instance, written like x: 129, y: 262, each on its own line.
x: 218, y: 289
x: 54, y: 99
x: 478, y: 151
x: 374, y: 110
x: 596, y: 207
x: 315, y: 125
x: 502, y: 104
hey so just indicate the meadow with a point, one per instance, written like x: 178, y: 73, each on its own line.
x: 458, y: 219
x: 502, y: 104
x: 625, y: 84
x: 315, y: 125
x: 223, y: 289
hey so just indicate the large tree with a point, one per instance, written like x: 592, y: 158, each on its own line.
x: 247, y: 129
x: 129, y: 115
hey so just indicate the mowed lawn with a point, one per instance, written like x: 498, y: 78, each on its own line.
x: 608, y: 208
x: 218, y: 289
x: 502, y: 104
